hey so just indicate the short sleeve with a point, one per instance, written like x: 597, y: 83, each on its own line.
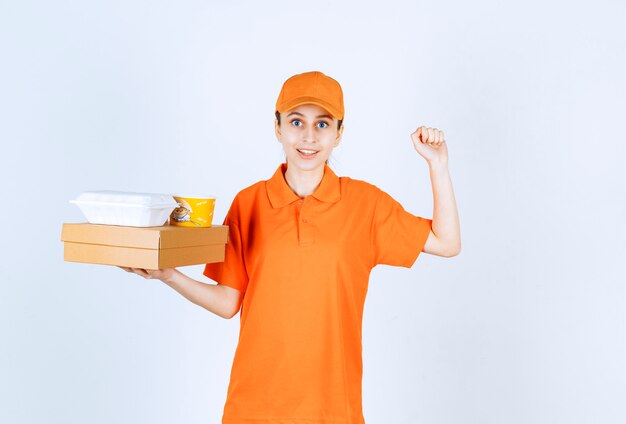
x: 232, y: 272
x: 398, y: 236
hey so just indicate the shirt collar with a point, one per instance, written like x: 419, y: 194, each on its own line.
x: 280, y: 194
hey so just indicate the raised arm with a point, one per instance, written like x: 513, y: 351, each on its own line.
x: 445, y: 236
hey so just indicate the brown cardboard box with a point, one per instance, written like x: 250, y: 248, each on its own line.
x: 167, y: 246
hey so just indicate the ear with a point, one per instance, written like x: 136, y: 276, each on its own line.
x: 339, y: 134
x: 277, y: 129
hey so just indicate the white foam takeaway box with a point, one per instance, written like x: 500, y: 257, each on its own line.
x: 125, y: 208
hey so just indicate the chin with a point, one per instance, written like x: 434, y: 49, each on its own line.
x: 306, y: 166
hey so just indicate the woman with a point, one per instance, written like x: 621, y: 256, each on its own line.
x: 300, y: 251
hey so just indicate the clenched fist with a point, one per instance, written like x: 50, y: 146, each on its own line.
x: 430, y: 144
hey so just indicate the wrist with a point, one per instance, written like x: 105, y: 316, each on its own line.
x: 438, y: 165
x: 171, y: 277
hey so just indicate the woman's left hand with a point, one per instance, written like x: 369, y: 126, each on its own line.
x: 430, y: 144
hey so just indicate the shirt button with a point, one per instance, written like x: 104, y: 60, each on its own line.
x: 305, y: 220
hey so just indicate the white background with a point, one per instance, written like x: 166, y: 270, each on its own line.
x: 527, y: 325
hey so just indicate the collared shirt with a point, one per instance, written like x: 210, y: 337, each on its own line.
x: 303, y: 266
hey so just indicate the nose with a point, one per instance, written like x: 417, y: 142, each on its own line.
x: 309, y: 134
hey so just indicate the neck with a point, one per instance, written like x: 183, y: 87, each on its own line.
x: 303, y: 183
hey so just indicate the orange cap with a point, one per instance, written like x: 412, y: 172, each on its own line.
x: 311, y: 88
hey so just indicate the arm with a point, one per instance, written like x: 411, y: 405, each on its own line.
x: 222, y: 300
x: 445, y: 236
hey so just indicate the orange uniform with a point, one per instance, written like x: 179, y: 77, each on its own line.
x: 304, y: 266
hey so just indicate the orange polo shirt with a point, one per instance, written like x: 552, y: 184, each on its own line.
x: 304, y: 266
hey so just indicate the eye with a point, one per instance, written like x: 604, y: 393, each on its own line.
x: 322, y: 124
x: 296, y: 123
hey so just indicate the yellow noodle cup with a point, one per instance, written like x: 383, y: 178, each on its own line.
x: 193, y: 211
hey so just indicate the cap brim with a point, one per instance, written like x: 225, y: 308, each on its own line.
x: 310, y: 101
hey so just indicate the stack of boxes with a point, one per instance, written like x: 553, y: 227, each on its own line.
x: 132, y: 230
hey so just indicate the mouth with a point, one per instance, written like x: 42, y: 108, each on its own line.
x: 306, y: 153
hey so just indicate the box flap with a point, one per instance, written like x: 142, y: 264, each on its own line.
x: 163, y: 237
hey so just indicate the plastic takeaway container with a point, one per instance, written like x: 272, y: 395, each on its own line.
x: 125, y: 208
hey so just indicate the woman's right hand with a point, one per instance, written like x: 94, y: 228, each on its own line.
x: 152, y: 274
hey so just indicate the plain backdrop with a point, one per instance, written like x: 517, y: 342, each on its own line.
x: 526, y: 325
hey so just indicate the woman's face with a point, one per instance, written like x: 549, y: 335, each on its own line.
x: 308, y: 134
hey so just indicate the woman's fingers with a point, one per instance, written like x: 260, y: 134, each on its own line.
x: 432, y: 136
x: 139, y: 271
x: 428, y: 135
x: 142, y: 272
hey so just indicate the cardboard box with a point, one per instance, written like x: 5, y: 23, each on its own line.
x: 167, y: 246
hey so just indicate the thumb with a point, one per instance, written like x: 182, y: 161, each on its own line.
x: 417, y: 135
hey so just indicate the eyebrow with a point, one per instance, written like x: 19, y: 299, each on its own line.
x: 320, y: 116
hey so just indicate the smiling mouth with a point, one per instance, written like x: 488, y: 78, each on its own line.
x: 307, y: 152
